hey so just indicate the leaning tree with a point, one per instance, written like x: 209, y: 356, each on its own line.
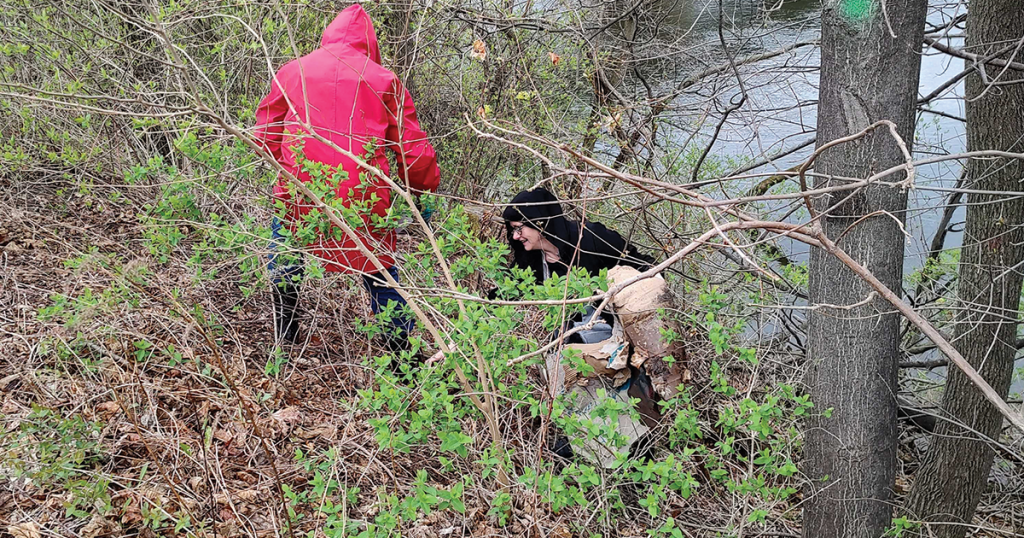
x: 950, y: 482
x: 870, y: 65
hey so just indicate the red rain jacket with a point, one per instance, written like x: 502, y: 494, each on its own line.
x: 343, y: 92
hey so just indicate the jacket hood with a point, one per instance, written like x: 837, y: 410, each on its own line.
x: 592, y: 247
x: 353, y: 27
x: 540, y: 210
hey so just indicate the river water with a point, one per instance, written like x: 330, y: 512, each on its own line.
x: 780, y: 111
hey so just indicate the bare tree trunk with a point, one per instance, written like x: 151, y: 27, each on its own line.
x: 952, y: 478
x: 866, y: 75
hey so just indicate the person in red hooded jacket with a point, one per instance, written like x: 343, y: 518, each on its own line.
x: 341, y: 94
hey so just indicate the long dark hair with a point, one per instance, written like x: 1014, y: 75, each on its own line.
x: 541, y: 210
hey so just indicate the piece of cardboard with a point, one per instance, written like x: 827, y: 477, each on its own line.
x: 599, y: 356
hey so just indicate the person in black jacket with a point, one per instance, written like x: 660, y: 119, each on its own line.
x: 545, y: 241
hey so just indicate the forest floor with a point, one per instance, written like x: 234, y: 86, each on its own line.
x: 306, y: 406
x: 210, y: 434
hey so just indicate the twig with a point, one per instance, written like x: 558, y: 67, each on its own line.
x: 939, y: 46
x: 871, y: 296
x: 607, y: 296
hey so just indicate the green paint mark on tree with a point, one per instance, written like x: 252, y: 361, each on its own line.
x: 856, y: 10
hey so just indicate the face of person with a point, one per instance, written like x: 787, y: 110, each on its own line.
x: 529, y: 237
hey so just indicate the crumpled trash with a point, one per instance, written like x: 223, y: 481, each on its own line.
x: 581, y: 393
x: 642, y: 376
x: 561, y: 376
x: 600, y: 332
x: 581, y: 402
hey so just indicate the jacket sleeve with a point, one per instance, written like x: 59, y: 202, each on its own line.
x: 417, y: 163
x: 270, y: 115
x: 614, y: 250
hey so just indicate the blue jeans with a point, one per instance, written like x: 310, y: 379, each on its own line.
x: 380, y: 292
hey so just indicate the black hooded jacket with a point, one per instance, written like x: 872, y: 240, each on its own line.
x: 599, y: 247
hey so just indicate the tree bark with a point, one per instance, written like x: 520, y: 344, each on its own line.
x: 950, y: 482
x: 867, y: 75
